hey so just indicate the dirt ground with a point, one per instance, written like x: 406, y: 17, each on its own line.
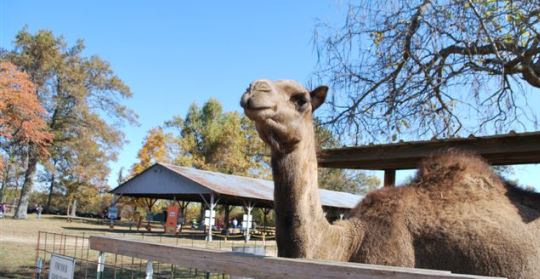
x: 18, y: 240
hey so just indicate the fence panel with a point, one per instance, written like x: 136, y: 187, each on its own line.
x: 258, y: 266
x: 114, y: 265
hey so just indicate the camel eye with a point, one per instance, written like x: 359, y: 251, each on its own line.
x: 299, y: 100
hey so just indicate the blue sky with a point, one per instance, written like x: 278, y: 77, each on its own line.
x: 174, y: 53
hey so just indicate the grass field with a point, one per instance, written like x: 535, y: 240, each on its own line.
x: 18, y: 240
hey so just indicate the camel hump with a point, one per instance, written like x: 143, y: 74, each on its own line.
x: 453, y: 167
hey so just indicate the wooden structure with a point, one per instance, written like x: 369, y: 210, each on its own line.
x: 508, y: 149
x: 166, y: 181
x: 245, y: 265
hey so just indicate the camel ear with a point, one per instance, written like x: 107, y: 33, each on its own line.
x: 317, y: 96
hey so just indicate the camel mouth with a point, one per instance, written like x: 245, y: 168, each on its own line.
x: 259, y: 113
x: 249, y: 105
x: 259, y: 108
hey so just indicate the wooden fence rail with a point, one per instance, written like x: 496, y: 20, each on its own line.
x: 258, y: 266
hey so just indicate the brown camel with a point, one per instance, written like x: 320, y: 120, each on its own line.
x: 456, y: 215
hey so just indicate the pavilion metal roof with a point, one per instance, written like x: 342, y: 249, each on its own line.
x: 167, y: 181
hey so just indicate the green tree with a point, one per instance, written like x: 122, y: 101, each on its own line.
x: 76, y: 92
x: 211, y: 139
x: 432, y: 68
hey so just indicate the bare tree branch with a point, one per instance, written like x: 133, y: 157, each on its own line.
x: 425, y: 66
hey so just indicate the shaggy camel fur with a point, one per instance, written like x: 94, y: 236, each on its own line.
x: 456, y: 215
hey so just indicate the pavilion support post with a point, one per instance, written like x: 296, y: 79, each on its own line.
x: 248, y: 208
x: 211, y: 205
x: 389, y: 178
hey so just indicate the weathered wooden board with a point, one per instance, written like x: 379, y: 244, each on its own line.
x: 509, y: 149
x: 258, y: 266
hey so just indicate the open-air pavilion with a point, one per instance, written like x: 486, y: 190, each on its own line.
x: 165, y: 181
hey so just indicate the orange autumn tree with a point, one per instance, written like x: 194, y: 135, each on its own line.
x: 22, y: 124
x: 155, y: 149
x: 21, y: 113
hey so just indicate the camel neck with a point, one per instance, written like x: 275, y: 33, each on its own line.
x: 299, y: 216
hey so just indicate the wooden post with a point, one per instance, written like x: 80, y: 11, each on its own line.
x: 389, y: 178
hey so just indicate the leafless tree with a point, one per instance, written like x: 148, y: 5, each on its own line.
x: 433, y: 68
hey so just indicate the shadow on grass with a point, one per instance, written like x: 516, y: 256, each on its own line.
x: 21, y: 272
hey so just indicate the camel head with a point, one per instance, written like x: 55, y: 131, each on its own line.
x: 282, y: 111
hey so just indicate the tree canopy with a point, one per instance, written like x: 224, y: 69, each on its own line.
x: 21, y: 114
x: 210, y: 139
x: 22, y: 123
x: 156, y: 148
x: 432, y: 68
x: 78, y: 94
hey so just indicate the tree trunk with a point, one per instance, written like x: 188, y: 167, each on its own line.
x: 4, y: 182
x: 2, y: 190
x: 22, y: 205
x: 183, y: 207
x: 51, y: 188
x: 7, y: 169
x: 74, y: 208
x: 227, y: 209
x: 201, y: 214
x: 265, y: 215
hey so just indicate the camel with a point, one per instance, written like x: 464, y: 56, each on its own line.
x: 456, y: 215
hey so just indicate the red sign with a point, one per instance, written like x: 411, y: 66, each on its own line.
x: 172, y: 218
